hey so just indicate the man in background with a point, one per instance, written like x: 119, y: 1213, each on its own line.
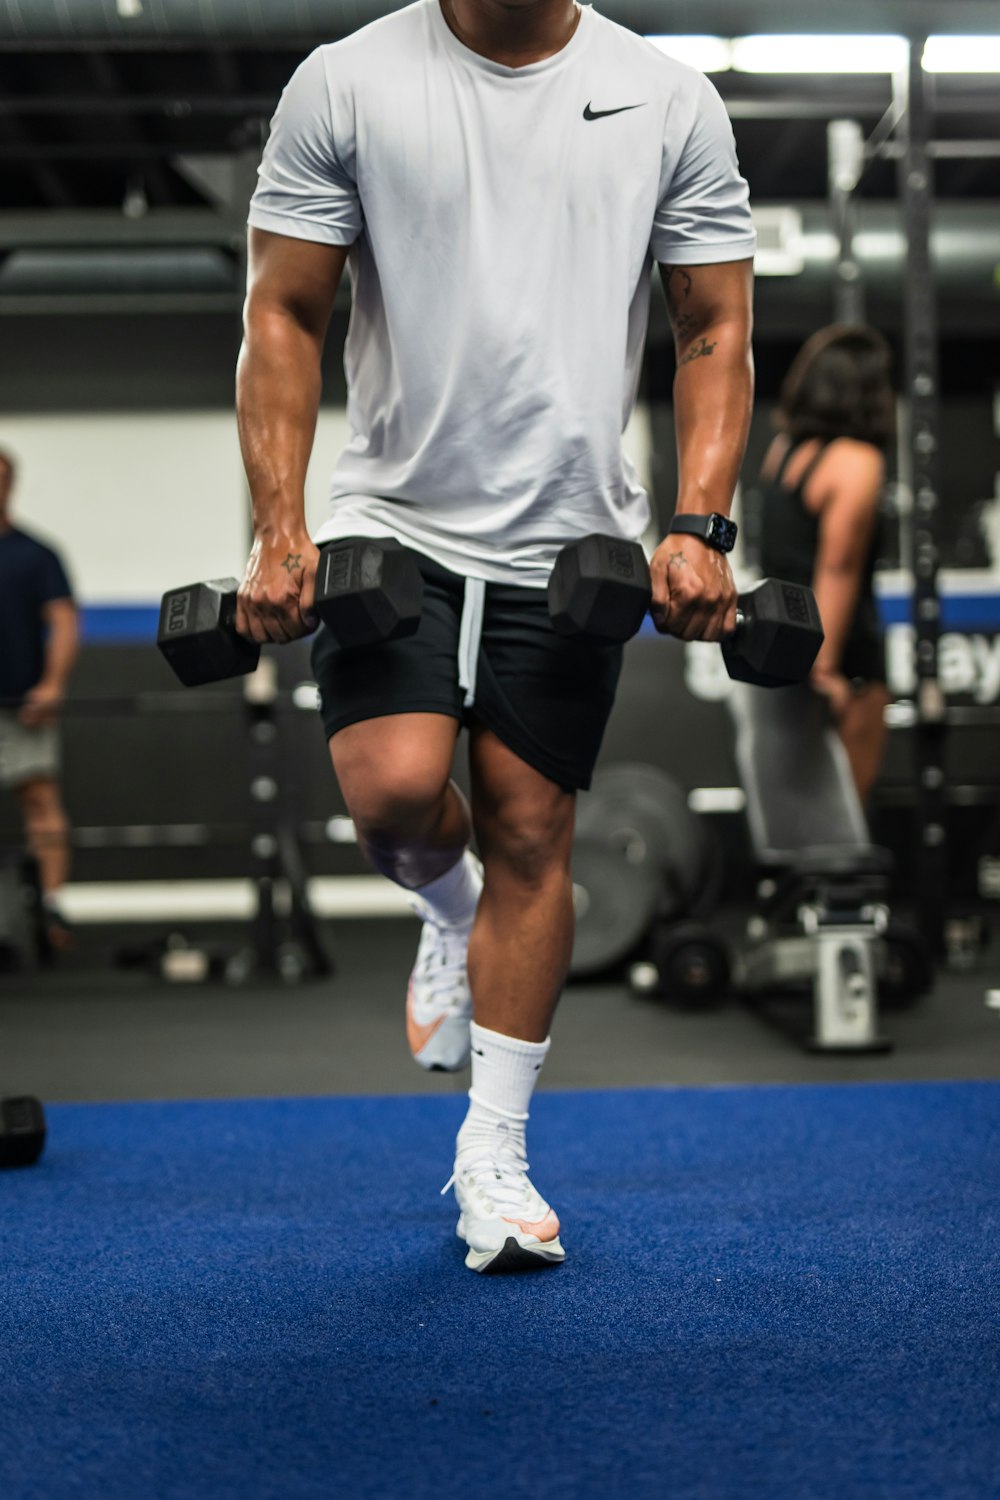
x: 38, y: 645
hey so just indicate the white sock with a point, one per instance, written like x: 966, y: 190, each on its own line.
x: 454, y: 896
x: 504, y: 1073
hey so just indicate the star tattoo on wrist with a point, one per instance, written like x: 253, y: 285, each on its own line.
x: 292, y: 562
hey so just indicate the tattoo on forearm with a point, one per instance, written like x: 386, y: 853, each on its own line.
x: 701, y: 350
x: 293, y: 562
x: 677, y: 285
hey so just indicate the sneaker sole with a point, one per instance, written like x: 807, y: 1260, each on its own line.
x: 513, y: 1257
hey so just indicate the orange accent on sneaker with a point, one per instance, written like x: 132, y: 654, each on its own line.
x: 418, y: 1036
x: 545, y: 1230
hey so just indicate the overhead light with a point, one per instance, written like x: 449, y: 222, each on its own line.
x: 779, y: 241
x: 709, y: 54
x: 819, y: 54
x: 962, y: 54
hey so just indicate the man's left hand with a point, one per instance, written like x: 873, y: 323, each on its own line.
x: 694, y: 594
x: 41, y: 706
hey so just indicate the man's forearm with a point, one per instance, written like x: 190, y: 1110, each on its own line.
x: 713, y: 401
x: 278, y: 388
x: 61, y: 650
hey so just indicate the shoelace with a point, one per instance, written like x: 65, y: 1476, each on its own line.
x: 443, y: 968
x: 504, y: 1176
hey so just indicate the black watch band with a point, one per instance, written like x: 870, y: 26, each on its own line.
x: 714, y: 530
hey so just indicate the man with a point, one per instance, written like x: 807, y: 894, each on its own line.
x: 38, y: 646
x: 498, y: 175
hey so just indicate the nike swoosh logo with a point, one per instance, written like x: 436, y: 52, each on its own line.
x: 417, y: 1035
x: 602, y: 114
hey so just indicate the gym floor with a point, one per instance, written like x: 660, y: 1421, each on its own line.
x: 86, y: 1031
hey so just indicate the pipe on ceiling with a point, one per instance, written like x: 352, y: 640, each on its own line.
x: 121, y: 22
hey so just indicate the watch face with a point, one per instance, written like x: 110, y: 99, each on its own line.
x: 722, y: 532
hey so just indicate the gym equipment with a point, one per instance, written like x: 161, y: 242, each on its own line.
x: 778, y: 635
x: 600, y: 588
x: 691, y: 962
x: 614, y: 902
x: 903, y: 967
x: 823, y: 915
x: 639, y: 855
x: 644, y: 814
x: 197, y: 633
x: 367, y: 591
x: 22, y: 936
x: 22, y: 1131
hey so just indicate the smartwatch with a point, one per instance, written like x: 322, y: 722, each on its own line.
x: 714, y: 530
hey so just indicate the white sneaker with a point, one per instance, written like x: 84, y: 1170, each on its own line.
x: 504, y: 1220
x: 439, y: 1000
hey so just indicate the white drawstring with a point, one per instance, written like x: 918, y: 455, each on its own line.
x: 470, y: 636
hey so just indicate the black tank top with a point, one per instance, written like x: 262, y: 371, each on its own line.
x: 788, y: 538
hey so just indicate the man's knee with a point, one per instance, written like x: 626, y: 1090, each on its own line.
x: 41, y: 805
x: 392, y: 799
x: 529, y: 836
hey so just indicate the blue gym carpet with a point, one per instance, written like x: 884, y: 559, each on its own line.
x: 783, y: 1293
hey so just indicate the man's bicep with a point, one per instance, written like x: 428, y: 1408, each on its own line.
x: 59, y: 611
x: 295, y: 276
x: 699, y: 297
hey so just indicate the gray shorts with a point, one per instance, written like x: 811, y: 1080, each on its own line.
x: 26, y: 754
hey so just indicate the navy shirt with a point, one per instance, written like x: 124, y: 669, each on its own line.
x: 31, y: 576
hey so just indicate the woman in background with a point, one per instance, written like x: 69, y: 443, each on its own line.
x: 820, y: 493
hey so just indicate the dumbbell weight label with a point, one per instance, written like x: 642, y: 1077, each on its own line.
x: 622, y: 560
x: 796, y: 605
x: 178, y: 611
x: 338, y: 570
x: 342, y: 563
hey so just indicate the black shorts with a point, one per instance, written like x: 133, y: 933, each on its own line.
x: 547, y: 697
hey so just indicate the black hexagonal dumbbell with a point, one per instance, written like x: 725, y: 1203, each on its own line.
x: 367, y: 591
x: 778, y: 635
x: 22, y: 1131
x: 197, y: 633
x: 600, y: 588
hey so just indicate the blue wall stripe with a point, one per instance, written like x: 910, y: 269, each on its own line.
x: 120, y: 624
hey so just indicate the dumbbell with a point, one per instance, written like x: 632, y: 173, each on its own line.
x: 22, y: 1131
x: 600, y: 588
x: 367, y: 590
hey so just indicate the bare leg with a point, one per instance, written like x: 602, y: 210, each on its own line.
x: 863, y: 731
x: 46, y: 830
x: 523, y: 935
x: 395, y: 775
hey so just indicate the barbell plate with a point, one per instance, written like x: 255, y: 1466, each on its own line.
x: 644, y: 812
x: 614, y: 902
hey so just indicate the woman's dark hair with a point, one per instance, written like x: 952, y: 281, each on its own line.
x: 839, y: 385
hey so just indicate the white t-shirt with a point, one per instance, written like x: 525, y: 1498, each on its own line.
x: 504, y: 224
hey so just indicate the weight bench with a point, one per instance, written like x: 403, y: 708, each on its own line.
x: 823, y: 896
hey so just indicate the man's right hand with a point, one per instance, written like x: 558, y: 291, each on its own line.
x: 275, y: 600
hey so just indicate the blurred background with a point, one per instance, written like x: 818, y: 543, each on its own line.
x: 129, y: 138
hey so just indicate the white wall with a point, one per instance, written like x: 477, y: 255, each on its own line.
x: 144, y: 502
x: 141, y: 503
